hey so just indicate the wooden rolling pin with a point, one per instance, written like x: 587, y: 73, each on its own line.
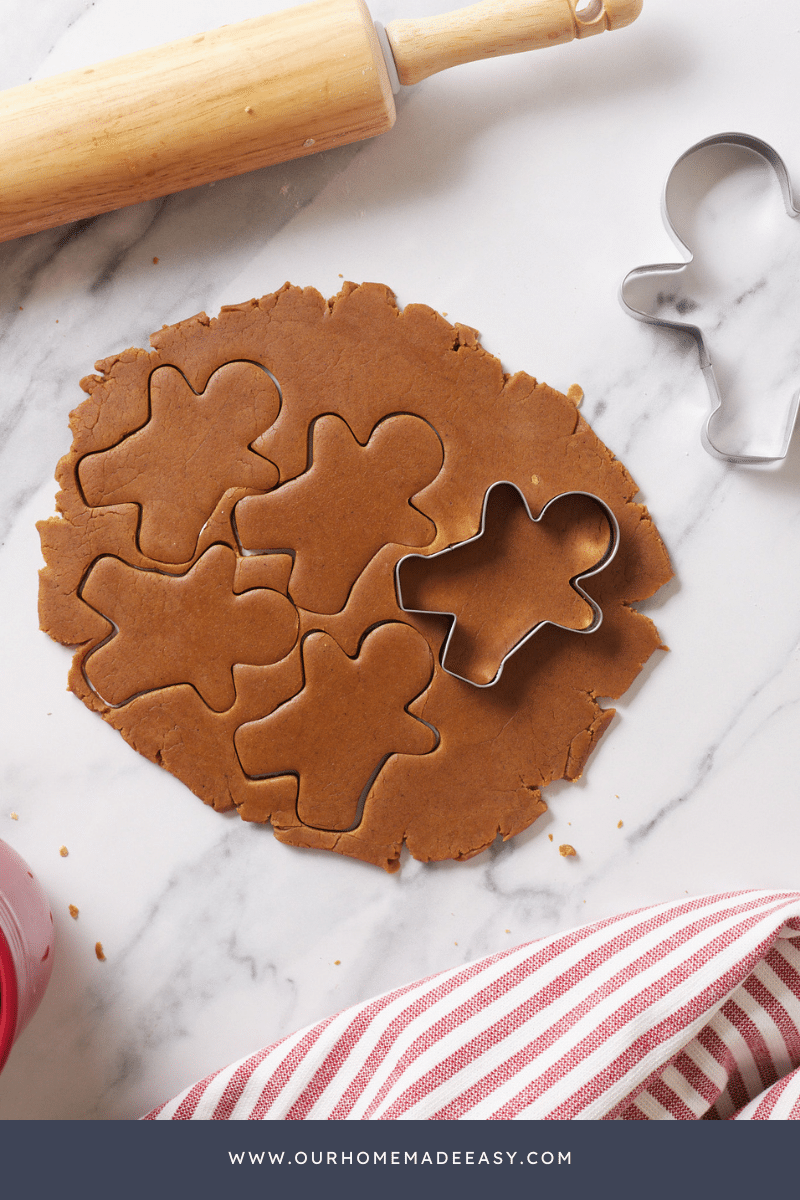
x: 263, y: 91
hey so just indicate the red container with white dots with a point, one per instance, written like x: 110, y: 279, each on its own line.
x: 26, y: 947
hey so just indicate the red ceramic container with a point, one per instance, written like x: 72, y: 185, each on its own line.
x: 26, y: 947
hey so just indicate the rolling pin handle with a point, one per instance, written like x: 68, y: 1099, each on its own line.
x: 600, y: 15
x: 495, y: 27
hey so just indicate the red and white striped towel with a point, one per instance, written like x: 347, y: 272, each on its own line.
x: 682, y: 1011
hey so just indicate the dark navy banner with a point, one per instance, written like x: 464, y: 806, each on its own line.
x: 411, y: 1159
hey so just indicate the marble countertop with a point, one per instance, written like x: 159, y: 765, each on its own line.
x: 512, y: 195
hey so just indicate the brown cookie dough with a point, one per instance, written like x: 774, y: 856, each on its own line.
x: 352, y: 501
x: 230, y: 518
x: 187, y: 453
x: 515, y: 576
x: 188, y: 628
x: 350, y: 715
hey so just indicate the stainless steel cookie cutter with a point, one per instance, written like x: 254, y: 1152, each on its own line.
x: 667, y: 278
x: 597, y: 615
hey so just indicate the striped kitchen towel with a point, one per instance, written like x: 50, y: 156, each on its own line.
x: 682, y: 1011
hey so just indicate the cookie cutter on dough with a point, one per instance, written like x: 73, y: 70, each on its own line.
x: 603, y: 561
x: 670, y: 270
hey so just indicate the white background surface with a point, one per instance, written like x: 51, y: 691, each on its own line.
x: 512, y: 195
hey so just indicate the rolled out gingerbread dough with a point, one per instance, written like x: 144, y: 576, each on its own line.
x: 229, y: 521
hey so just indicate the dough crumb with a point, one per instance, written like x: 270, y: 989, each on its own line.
x: 155, y: 261
x: 14, y: 816
x: 567, y: 851
x: 98, y: 950
x: 337, y: 962
x: 73, y: 911
x: 619, y: 824
x: 550, y: 836
x: 63, y: 852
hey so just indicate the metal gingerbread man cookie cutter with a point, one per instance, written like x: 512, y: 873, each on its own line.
x: 597, y: 615
x: 647, y: 291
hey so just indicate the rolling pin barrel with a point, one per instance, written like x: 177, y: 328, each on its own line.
x: 245, y: 96
x: 201, y: 109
